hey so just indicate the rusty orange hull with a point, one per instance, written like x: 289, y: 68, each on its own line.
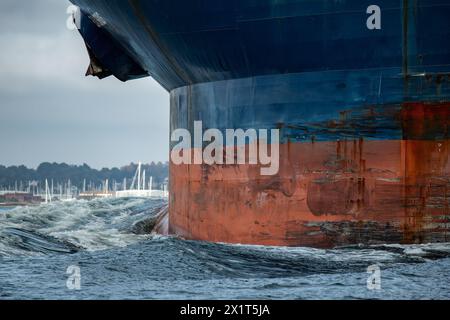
x: 327, y: 194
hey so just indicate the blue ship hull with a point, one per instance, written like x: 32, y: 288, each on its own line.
x: 364, y: 114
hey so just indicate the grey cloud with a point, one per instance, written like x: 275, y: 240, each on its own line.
x: 31, y: 16
x: 50, y: 112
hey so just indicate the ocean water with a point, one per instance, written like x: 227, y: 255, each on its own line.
x: 98, y: 250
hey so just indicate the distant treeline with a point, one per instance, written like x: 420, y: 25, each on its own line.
x: 60, y: 173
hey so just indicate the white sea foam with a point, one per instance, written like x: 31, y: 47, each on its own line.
x: 91, y: 225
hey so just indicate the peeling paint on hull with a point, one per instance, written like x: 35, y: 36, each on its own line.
x: 326, y: 194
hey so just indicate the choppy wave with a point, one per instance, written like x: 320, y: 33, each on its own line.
x: 261, y: 261
x: 67, y: 227
x: 109, y: 239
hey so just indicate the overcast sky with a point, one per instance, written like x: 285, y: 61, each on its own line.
x: 49, y: 111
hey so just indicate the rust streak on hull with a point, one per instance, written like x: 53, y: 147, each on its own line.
x: 326, y: 194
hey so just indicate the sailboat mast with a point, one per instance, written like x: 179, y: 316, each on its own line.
x: 143, y: 181
x: 139, y: 176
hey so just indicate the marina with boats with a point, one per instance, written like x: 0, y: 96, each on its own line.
x: 47, y: 191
